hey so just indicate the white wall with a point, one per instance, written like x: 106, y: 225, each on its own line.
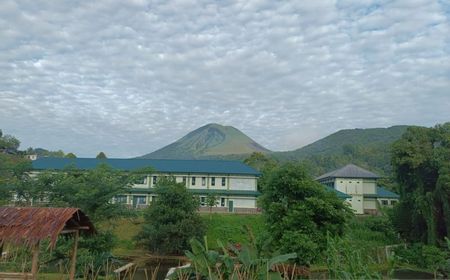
x: 241, y: 202
x: 370, y: 203
x: 248, y: 184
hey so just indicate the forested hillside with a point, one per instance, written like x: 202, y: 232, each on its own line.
x: 368, y: 148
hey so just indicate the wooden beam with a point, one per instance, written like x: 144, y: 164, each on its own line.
x: 35, y: 261
x: 73, y: 230
x: 74, y: 256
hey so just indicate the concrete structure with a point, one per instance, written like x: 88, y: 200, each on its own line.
x: 361, y: 185
x: 232, y: 182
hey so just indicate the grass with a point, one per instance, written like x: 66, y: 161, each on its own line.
x: 228, y: 228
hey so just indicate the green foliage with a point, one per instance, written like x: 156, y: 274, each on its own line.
x: 423, y: 256
x: 71, y: 155
x: 44, y: 153
x: 346, y: 261
x: 421, y: 163
x: 233, y: 263
x: 299, y: 212
x: 8, y: 142
x: 93, y: 191
x: 172, y: 220
x: 13, y: 174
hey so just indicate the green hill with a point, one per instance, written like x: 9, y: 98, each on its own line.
x: 368, y: 148
x: 209, y: 141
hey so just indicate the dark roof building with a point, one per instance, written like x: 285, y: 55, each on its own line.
x: 349, y: 171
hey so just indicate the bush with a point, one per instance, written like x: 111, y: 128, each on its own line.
x: 172, y: 220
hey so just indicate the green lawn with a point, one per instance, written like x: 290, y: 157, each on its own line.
x: 223, y: 227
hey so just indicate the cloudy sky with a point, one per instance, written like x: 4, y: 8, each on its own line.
x: 128, y: 77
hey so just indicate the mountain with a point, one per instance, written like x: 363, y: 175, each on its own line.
x: 209, y: 141
x: 369, y: 148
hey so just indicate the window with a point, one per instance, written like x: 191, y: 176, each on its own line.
x: 121, y: 199
x: 393, y: 202
x: 202, y: 200
x: 141, y: 199
x: 203, y: 181
x: 184, y: 180
x: 384, y: 202
x: 223, y: 181
x: 154, y: 180
x: 213, y: 181
x: 193, y: 181
x: 222, y: 201
x: 141, y: 180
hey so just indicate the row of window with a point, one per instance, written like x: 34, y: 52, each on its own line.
x: 140, y: 200
x: 194, y: 179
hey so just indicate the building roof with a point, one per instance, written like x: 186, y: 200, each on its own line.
x: 28, y: 225
x: 338, y: 193
x: 160, y: 165
x: 349, y: 171
x: 383, y: 193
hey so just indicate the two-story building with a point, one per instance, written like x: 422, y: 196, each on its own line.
x: 233, y: 183
x: 361, y: 185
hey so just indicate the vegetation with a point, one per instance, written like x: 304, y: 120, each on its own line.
x: 299, y: 212
x: 234, y: 263
x: 8, y: 143
x: 422, y: 167
x: 172, y: 220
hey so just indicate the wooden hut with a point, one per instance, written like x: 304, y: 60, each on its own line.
x: 29, y: 226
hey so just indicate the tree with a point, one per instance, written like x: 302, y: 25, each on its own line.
x: 8, y: 142
x: 421, y: 163
x: 71, y: 155
x: 91, y: 190
x: 172, y: 220
x: 101, y: 155
x: 211, y: 201
x: 299, y: 212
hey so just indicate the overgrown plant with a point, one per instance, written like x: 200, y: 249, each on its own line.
x: 346, y: 262
x: 231, y: 263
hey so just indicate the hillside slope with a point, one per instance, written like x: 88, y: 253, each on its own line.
x: 209, y: 141
x: 369, y: 148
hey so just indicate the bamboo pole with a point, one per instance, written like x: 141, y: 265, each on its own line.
x: 35, y: 261
x: 74, y: 256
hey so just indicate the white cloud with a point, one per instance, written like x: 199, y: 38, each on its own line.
x: 128, y: 77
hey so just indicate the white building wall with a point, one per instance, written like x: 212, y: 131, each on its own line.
x: 247, y: 184
x: 243, y: 202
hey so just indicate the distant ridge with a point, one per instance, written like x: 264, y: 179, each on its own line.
x: 335, y: 143
x: 209, y: 141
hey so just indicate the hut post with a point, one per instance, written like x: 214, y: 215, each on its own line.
x: 74, y: 256
x: 35, y: 261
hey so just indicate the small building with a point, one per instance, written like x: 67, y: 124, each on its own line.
x: 232, y: 182
x: 361, y: 185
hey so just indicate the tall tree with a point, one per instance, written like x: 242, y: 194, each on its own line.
x: 172, y: 220
x: 421, y: 162
x: 299, y: 212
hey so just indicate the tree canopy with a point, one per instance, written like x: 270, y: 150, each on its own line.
x: 299, y: 212
x: 172, y: 220
x: 421, y: 162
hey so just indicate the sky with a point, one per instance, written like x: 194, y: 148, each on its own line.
x: 129, y: 77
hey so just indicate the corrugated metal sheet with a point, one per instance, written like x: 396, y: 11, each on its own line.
x: 349, y: 171
x: 161, y: 165
x: 28, y: 225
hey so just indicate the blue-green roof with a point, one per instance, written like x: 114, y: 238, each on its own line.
x: 160, y: 165
x: 338, y: 193
x: 202, y: 192
x: 383, y: 193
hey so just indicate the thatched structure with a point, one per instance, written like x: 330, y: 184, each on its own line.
x: 29, y: 226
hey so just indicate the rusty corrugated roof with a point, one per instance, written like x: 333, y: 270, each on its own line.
x: 29, y: 225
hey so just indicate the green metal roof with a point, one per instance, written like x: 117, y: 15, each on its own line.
x: 349, y: 171
x: 338, y: 193
x: 202, y: 191
x: 161, y: 165
x: 383, y: 193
